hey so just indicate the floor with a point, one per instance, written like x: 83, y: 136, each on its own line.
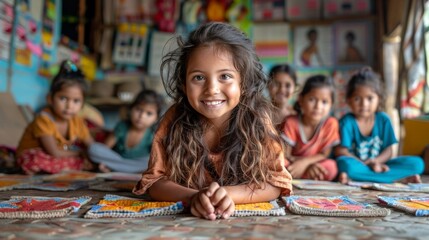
x: 397, y: 225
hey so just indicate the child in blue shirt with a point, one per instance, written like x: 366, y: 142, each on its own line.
x: 367, y: 137
x: 128, y: 148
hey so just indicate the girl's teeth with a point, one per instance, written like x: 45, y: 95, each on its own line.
x: 214, y: 103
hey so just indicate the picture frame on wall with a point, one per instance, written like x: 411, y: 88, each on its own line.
x: 342, y: 8
x: 303, y: 9
x: 353, y: 43
x: 268, y: 10
x: 313, y: 46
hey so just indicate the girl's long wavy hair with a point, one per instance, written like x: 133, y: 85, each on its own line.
x: 248, y: 139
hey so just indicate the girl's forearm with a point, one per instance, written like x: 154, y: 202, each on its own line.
x: 166, y: 190
x: 384, y: 156
x: 244, y: 194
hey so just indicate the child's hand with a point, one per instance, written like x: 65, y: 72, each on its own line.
x: 316, y: 172
x: 297, y: 169
x: 201, y: 206
x: 224, y: 206
x: 212, y: 202
x: 378, y: 167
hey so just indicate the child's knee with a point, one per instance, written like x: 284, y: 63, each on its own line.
x: 414, y: 163
x: 331, y: 169
x: 343, y: 163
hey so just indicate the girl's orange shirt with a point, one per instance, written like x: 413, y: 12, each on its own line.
x: 278, y: 175
x: 44, y: 125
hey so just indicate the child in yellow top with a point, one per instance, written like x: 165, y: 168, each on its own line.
x: 216, y: 146
x: 54, y: 141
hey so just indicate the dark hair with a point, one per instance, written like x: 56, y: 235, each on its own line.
x: 311, y: 31
x: 283, y: 68
x: 186, y: 152
x: 368, y: 78
x: 350, y: 36
x: 68, y: 75
x: 316, y: 81
x: 149, y: 97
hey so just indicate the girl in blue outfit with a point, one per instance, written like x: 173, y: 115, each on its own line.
x: 367, y: 137
x: 127, y: 149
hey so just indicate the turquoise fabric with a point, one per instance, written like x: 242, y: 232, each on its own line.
x: 136, y: 152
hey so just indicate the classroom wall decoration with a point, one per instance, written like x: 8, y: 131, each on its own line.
x: 272, y: 41
x: 339, y: 8
x: 303, y: 9
x: 130, y: 44
x: 268, y: 10
x: 313, y: 46
x: 160, y: 44
x: 49, y: 36
x: 353, y: 43
x: 6, y: 15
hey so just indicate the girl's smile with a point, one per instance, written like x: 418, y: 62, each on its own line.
x: 212, y: 83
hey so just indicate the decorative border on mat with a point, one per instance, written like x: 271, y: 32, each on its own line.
x: 341, y: 206
x: 113, y: 206
x: 271, y: 208
x: 418, y: 206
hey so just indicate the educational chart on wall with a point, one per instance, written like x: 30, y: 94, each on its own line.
x: 340, y: 8
x: 303, y: 9
x: 268, y: 10
x: 50, y: 36
x: 6, y: 15
x: 272, y: 42
x: 160, y: 44
x: 130, y: 44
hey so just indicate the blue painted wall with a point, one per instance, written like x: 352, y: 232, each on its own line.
x: 26, y: 85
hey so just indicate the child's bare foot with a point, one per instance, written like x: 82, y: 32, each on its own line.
x: 88, y: 165
x: 343, y: 178
x: 411, y: 179
x: 103, y: 168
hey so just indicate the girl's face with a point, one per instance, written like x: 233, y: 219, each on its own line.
x: 281, y: 88
x: 143, y: 115
x: 316, y: 104
x: 212, y: 83
x: 363, y: 102
x: 67, y: 102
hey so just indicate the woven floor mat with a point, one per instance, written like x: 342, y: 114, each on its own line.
x: 40, y: 207
x: 418, y: 206
x: 333, y: 206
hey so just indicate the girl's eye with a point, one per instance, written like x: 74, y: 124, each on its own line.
x: 76, y: 101
x: 370, y: 99
x: 198, y: 77
x: 225, y: 76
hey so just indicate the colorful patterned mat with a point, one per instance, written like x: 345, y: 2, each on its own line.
x: 40, y: 207
x: 342, y: 206
x: 113, y: 186
x: 58, y: 186
x: 120, y: 176
x: 10, y: 181
x: 319, y: 185
x: 399, y: 187
x: 418, y: 206
x: 123, y: 207
x: 259, y: 209
x: 71, y: 176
